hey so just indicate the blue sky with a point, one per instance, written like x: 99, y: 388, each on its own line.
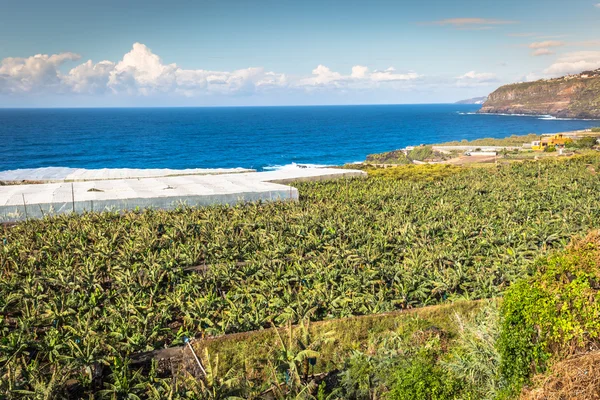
x: 284, y: 52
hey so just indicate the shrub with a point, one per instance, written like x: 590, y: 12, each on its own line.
x: 473, y: 357
x: 596, y: 129
x: 553, y: 314
x: 586, y: 143
x: 549, y: 149
x: 391, y: 157
x: 423, y: 378
x: 421, y: 153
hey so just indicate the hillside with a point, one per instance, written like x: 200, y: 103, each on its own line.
x: 474, y: 100
x: 572, y: 96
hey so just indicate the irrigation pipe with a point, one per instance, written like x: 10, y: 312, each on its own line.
x: 196, y: 357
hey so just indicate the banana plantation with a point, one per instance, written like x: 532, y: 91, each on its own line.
x: 80, y: 295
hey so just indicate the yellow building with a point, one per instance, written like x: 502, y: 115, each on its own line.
x: 556, y: 140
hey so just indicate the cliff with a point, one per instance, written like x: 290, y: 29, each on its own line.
x: 572, y: 96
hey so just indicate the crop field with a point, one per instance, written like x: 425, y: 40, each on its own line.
x: 82, y: 294
x: 511, y: 141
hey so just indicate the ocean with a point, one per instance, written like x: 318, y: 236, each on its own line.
x: 248, y: 137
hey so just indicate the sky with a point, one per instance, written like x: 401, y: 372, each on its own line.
x: 130, y: 53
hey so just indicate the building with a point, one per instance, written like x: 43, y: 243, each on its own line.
x: 556, y: 140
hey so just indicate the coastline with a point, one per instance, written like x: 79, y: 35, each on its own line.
x: 477, y: 151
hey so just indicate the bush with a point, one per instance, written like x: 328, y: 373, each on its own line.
x: 586, y: 143
x: 421, y: 153
x: 473, y: 357
x: 553, y: 314
x: 391, y: 157
x: 421, y: 378
x: 596, y: 129
x: 549, y: 149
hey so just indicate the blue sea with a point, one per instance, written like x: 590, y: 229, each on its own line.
x: 249, y: 137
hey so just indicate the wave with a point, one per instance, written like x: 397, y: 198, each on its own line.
x: 537, y: 116
x: 294, y: 166
x: 551, y: 118
x: 508, y: 115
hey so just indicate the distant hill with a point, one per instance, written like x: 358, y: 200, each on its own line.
x: 571, y: 96
x: 474, y: 100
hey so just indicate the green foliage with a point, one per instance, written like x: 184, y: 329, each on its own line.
x: 391, y: 157
x: 422, y: 378
x: 421, y: 360
x: 551, y: 314
x: 511, y: 141
x: 549, y: 149
x: 416, y: 173
x: 421, y: 153
x: 586, y: 142
x: 412, y: 347
x: 79, y: 292
x: 596, y: 129
x: 473, y: 357
x: 363, y: 377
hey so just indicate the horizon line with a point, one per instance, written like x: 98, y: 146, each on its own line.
x: 234, y: 106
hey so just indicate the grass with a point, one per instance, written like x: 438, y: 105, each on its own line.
x: 251, y: 352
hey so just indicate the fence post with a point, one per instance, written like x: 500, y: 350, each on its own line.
x: 24, y: 206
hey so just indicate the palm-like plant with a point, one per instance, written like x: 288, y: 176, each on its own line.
x: 76, y: 291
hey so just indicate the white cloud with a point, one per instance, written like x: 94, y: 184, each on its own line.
x: 597, y: 5
x: 322, y: 75
x: 546, y: 44
x: 33, y: 73
x: 474, y: 79
x: 141, y: 72
x: 575, y: 62
x: 89, y: 77
x: 542, y: 52
x: 360, y: 77
x: 390, y: 75
x: 543, y: 48
x: 359, y: 71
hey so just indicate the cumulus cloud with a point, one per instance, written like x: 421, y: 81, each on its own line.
x: 360, y: 77
x: 322, y: 75
x: 575, y: 62
x: 33, y: 73
x: 89, y: 77
x: 390, y: 75
x: 475, y: 79
x: 141, y: 72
